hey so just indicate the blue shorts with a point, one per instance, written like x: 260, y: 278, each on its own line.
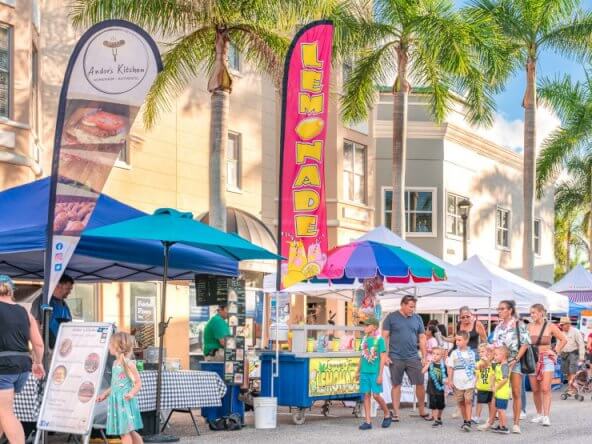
x: 368, y: 383
x: 501, y: 404
x: 548, y: 365
x: 14, y: 382
x: 517, y: 368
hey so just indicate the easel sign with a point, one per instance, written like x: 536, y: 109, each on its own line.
x: 74, y: 378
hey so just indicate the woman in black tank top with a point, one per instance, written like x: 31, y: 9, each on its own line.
x: 18, y: 330
x: 473, y: 327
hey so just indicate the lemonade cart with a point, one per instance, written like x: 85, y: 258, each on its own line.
x: 316, y: 369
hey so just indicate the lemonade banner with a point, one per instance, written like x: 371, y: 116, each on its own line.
x: 333, y: 376
x: 107, y: 78
x: 302, y: 212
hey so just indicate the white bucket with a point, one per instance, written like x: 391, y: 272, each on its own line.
x: 265, y: 412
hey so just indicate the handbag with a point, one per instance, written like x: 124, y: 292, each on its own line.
x: 527, y: 361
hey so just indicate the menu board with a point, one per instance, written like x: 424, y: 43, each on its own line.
x: 145, y: 310
x: 236, y: 303
x: 234, y: 360
x: 74, y: 377
x: 211, y: 290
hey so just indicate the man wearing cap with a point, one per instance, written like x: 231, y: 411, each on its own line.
x: 574, y: 352
x: 215, y: 335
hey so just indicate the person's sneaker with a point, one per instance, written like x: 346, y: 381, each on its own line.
x: 365, y: 426
x: 484, y: 427
x: 386, y: 422
x: 496, y: 429
x: 516, y: 429
x: 546, y: 421
x: 437, y: 423
x: 522, y: 415
x: 504, y: 430
x: 537, y: 419
x: 455, y: 415
x: 466, y: 427
x: 475, y: 420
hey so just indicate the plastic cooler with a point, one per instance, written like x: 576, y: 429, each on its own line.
x: 230, y: 403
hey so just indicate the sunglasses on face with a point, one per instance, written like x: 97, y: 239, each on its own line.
x: 465, y: 317
x: 501, y: 309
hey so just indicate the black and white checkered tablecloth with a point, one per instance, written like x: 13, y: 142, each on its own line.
x: 28, y: 402
x: 180, y: 390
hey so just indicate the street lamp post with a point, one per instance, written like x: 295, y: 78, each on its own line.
x: 464, y: 207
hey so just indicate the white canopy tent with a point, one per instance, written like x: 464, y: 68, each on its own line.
x: 507, y: 285
x: 459, y: 288
x: 317, y: 289
x: 578, y: 279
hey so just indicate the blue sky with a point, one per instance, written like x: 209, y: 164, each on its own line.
x: 550, y: 65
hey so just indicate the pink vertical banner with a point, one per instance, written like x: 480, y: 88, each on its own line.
x: 302, y: 211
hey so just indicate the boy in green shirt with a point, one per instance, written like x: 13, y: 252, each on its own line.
x: 370, y: 372
x: 214, y: 335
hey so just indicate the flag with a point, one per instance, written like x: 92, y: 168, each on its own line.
x: 302, y: 212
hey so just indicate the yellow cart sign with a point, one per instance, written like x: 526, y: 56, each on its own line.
x: 333, y: 376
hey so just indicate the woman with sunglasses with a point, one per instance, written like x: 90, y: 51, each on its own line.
x: 474, y: 327
x: 511, y: 332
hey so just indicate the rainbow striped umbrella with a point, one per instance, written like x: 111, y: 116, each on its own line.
x: 367, y: 259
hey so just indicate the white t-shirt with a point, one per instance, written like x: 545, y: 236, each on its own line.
x: 463, y: 364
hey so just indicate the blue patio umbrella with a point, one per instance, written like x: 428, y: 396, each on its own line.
x: 171, y: 227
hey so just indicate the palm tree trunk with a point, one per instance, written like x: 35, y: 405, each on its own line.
x: 529, y: 104
x: 220, y: 86
x: 567, y: 248
x: 218, y: 140
x: 400, y: 108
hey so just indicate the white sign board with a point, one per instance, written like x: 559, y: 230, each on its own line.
x: 74, y: 377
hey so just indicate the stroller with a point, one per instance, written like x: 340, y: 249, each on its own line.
x: 582, y: 384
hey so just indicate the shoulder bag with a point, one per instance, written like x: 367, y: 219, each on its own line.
x: 528, y: 361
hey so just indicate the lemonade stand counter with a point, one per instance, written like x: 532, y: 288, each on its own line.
x: 321, y: 366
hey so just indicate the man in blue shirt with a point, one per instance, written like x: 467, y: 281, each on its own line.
x: 404, y: 334
x: 61, y: 311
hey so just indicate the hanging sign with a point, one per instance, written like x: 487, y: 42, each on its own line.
x: 107, y: 78
x: 302, y: 211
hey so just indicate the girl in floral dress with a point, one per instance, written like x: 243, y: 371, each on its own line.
x: 123, y: 414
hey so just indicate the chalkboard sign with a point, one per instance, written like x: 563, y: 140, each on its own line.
x: 211, y: 290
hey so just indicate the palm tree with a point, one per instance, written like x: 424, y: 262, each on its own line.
x: 569, y: 237
x: 573, y: 197
x: 201, y: 34
x: 531, y: 26
x: 431, y: 43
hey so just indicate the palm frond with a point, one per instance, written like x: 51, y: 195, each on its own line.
x: 562, y: 94
x: 263, y: 49
x: 162, y: 16
x: 571, y: 37
x: 374, y: 67
x: 188, y: 57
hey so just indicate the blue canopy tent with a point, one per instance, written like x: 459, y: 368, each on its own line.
x: 23, y: 225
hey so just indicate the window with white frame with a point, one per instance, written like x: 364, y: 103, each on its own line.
x: 502, y: 228
x: 233, y: 160
x: 537, y: 236
x: 420, y: 209
x: 5, y: 63
x: 354, y: 172
x: 233, y: 58
x: 454, y: 225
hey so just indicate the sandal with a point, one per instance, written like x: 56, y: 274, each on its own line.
x: 427, y: 417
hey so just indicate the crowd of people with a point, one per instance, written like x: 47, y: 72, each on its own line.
x: 480, y: 371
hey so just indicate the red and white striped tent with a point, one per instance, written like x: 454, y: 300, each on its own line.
x: 576, y: 285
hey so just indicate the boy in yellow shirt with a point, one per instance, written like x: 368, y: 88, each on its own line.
x: 501, y: 378
x: 484, y: 385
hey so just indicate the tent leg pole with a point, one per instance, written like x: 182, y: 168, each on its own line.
x: 489, y: 317
x: 162, y: 326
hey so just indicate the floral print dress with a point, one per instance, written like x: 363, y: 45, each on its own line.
x: 123, y: 416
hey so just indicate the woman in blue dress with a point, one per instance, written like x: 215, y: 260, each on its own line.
x: 123, y: 413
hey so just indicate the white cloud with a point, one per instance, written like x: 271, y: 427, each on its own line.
x: 510, y: 133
